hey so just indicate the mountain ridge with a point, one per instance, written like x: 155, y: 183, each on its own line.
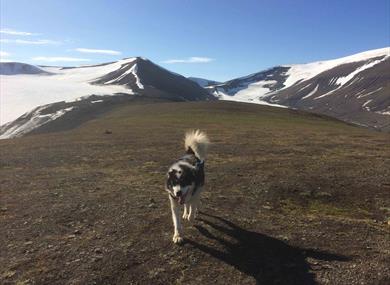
x: 354, y: 89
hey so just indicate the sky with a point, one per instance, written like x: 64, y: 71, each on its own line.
x: 213, y: 39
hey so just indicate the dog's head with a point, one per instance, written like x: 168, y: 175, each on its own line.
x: 181, y: 182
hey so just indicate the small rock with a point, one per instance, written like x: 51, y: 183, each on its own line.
x: 97, y: 258
x: 305, y: 194
x: 314, y: 262
x: 98, y: 250
x: 28, y: 243
x: 267, y: 207
x: 9, y: 274
x: 108, y: 132
x: 282, y: 237
x: 193, y: 260
x: 77, y: 232
x: 3, y: 209
x: 324, y: 194
x: 152, y: 205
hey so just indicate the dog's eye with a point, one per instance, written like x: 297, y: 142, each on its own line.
x: 179, y: 172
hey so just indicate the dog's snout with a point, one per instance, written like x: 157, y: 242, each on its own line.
x: 178, y: 193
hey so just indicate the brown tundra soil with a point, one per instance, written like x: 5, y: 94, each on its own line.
x: 290, y: 198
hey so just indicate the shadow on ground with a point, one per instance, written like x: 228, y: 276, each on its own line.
x: 268, y: 260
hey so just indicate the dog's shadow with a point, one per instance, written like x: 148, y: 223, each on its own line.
x: 268, y: 260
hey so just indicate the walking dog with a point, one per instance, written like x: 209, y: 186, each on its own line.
x: 185, y: 180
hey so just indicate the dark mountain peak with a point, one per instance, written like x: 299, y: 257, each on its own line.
x: 147, y: 78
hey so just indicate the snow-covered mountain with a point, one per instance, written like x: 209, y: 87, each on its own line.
x: 355, y: 88
x: 32, y: 95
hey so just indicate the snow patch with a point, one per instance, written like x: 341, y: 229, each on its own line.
x: 365, y: 105
x: 134, y: 70
x: 312, y: 92
x: 22, y: 93
x: 252, y: 93
x: 300, y: 72
x: 383, y: 112
x: 303, y: 88
x: 37, y: 120
x: 342, y: 80
x: 326, y: 94
x: 367, y: 94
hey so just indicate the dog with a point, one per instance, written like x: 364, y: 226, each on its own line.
x: 185, y: 180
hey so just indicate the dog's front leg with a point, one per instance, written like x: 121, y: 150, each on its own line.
x: 178, y: 229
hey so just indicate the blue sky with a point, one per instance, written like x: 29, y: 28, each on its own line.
x: 213, y: 39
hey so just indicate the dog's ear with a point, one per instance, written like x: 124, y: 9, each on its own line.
x: 190, y: 151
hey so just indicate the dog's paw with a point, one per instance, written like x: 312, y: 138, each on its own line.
x: 185, y: 216
x: 177, y: 239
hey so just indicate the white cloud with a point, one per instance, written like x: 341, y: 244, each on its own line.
x: 16, y: 33
x: 29, y: 42
x: 194, y: 59
x: 59, y: 59
x: 102, y: 51
x: 4, y: 54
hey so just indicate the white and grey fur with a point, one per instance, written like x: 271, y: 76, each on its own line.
x: 185, y: 180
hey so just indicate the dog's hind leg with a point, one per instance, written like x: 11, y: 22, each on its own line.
x: 195, y: 201
x: 186, y: 210
x: 178, y: 228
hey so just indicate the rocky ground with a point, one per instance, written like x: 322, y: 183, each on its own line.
x: 291, y: 198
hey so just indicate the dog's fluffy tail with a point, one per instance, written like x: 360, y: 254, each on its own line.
x: 196, y: 142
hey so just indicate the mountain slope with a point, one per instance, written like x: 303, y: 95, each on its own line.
x: 363, y: 98
x: 203, y: 82
x: 14, y: 68
x: 354, y: 88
